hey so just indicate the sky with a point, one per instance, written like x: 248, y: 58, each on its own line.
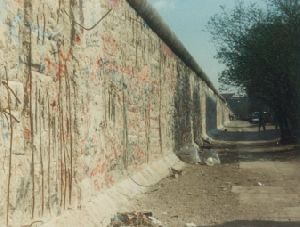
x: 188, y: 19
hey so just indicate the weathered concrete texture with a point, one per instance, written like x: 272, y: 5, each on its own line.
x: 98, y: 210
x: 87, y: 90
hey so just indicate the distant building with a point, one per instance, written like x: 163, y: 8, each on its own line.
x: 240, y: 105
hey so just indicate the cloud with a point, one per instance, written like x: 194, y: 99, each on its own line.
x: 163, y: 4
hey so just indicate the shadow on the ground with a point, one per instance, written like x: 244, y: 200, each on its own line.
x: 262, y: 153
x: 242, y: 142
x: 256, y: 223
x: 242, y: 126
x: 270, y: 134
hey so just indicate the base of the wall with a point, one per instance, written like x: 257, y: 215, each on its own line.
x: 99, y: 210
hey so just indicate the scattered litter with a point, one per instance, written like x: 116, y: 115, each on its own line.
x: 210, y: 157
x: 206, y: 140
x: 260, y: 184
x: 131, y: 219
x: 192, y: 154
x: 224, y: 188
x: 155, y: 221
x: 190, y: 225
x: 211, y: 162
x: 174, y: 173
x: 189, y: 153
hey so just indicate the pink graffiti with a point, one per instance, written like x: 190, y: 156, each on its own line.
x: 113, y: 3
x: 166, y: 50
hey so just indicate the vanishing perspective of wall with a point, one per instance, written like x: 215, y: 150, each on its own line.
x: 88, y: 90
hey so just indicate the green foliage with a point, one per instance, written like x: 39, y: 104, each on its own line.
x: 261, y: 51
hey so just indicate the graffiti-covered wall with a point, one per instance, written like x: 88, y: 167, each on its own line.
x: 87, y: 91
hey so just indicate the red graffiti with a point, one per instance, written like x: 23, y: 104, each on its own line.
x: 48, y: 61
x: 20, y: 2
x: 61, y: 67
x: 100, y: 169
x: 27, y: 134
x: 113, y: 3
x: 77, y: 39
x: 109, y: 181
x: 114, y: 67
x: 166, y: 50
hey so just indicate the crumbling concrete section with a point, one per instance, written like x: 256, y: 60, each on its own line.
x: 88, y: 90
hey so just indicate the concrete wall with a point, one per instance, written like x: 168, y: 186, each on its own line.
x: 84, y: 99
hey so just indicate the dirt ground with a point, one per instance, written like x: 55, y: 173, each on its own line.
x: 256, y: 184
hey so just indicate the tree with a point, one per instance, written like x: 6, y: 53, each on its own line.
x: 261, y: 51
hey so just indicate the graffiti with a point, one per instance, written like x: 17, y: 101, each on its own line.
x: 166, y: 50
x: 125, y: 139
x: 100, y: 169
x: 196, y: 114
x: 147, y: 129
x: 14, y: 23
x: 110, y: 66
x: 104, y: 182
x: 110, y: 45
x: 159, y: 91
x: 112, y: 97
x: 93, y: 103
x: 183, y: 109
x: 84, y: 27
x: 113, y: 3
x: 11, y: 127
x: 93, y: 39
x: 143, y: 75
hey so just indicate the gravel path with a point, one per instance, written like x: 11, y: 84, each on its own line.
x: 257, y: 184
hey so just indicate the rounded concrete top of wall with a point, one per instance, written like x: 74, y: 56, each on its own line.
x: 157, y: 24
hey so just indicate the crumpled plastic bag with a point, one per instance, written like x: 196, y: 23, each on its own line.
x: 192, y: 154
x: 189, y: 153
x: 210, y: 157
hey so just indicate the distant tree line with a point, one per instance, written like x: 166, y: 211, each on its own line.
x: 261, y: 50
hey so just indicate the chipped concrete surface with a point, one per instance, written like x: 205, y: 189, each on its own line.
x: 87, y: 91
x: 101, y: 207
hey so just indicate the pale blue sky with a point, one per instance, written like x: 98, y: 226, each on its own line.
x: 188, y: 19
